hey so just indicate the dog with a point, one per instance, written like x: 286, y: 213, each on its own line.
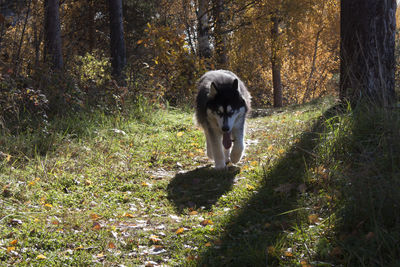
x: 222, y: 105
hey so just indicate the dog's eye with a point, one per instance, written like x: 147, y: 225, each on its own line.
x: 219, y: 113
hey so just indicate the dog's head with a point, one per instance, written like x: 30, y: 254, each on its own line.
x: 225, y: 104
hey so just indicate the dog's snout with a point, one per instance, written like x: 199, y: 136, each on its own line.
x: 225, y: 128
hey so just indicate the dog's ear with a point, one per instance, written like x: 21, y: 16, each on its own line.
x: 213, y: 90
x: 235, y: 85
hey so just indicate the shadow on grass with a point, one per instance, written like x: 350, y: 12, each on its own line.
x: 200, y: 188
x: 259, y: 225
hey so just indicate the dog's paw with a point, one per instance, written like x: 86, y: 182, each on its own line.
x: 236, y: 155
x: 220, y: 165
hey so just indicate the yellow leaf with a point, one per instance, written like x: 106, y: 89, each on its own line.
x: 254, y: 163
x: 250, y: 187
x: 41, y: 257
x: 179, y: 134
x: 281, y: 151
x: 88, y: 182
x: 154, y: 239
x: 8, y: 158
x: 288, y: 254
x: 111, y: 245
x: 129, y: 215
x: 139, y: 42
x: 94, y: 216
x: 100, y: 255
x: 47, y: 205
x: 79, y: 248
x: 9, y: 249
x: 313, y: 218
x: 14, y: 242
x: 271, y: 147
x: 208, y: 244
x: 145, y: 184
x: 96, y: 226
x: 180, y: 231
x: 206, y: 222
x: 271, y: 250
x: 193, y: 212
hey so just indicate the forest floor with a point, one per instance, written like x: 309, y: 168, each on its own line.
x: 136, y: 189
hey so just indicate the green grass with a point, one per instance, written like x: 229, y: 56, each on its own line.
x: 315, y: 188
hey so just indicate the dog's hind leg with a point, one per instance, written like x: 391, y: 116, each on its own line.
x: 238, y: 144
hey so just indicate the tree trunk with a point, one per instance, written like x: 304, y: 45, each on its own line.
x: 367, y: 46
x: 219, y: 35
x: 203, y: 30
x: 53, y: 34
x: 276, y: 64
x: 117, y: 41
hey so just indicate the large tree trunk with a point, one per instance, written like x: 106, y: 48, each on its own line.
x: 203, y: 30
x: 118, y: 52
x: 367, y: 51
x: 219, y: 35
x: 276, y: 64
x: 53, y: 34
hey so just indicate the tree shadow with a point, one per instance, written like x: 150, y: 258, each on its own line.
x: 274, y: 209
x: 200, y: 188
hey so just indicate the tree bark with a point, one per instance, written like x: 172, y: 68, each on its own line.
x: 367, y: 46
x: 53, y: 34
x: 276, y: 64
x: 219, y: 35
x: 203, y: 30
x: 117, y: 41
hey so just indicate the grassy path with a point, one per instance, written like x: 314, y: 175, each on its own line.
x: 138, y: 190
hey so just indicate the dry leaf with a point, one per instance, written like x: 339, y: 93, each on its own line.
x: 111, y: 245
x: 180, y: 231
x: 41, y: 257
x: 179, y: 134
x: 155, y: 239
x: 47, y: 205
x: 206, y: 222
x: 14, y: 242
x: 9, y: 249
x: 94, y: 216
x: 271, y: 250
x: 193, y: 212
x: 96, y: 226
x: 129, y: 215
x: 208, y: 244
x: 313, y: 218
x: 288, y: 254
x: 250, y: 187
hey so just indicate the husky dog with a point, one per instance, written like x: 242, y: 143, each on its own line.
x: 222, y: 104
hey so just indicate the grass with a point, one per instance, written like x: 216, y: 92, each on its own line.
x: 315, y: 188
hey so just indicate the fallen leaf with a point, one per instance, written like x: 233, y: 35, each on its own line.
x: 94, y: 216
x: 180, y: 231
x: 206, y: 222
x: 47, y: 205
x: 288, y: 254
x: 79, y: 247
x: 155, y: 239
x: 14, y: 242
x: 9, y: 249
x: 41, y: 257
x: 313, y: 218
x: 111, y: 245
x: 193, y: 212
x: 208, y: 244
x: 96, y: 226
x: 100, y: 255
x: 129, y: 215
x: 369, y: 236
x: 271, y: 250
x: 179, y: 134
x: 250, y: 187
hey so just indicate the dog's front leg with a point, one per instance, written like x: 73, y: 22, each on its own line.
x: 238, y: 144
x: 217, y: 151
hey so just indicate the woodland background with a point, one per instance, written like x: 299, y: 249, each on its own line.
x: 296, y: 42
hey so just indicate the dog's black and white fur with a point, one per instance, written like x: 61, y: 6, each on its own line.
x: 222, y: 105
